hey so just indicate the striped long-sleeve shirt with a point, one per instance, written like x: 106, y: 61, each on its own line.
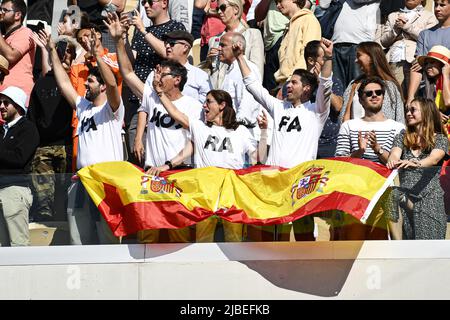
x: 348, y: 136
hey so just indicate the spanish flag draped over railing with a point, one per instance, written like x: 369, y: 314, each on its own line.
x: 131, y: 200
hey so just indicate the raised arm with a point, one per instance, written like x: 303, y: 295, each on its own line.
x: 154, y: 42
x: 173, y: 111
x: 62, y: 79
x: 325, y: 84
x: 262, y: 144
x: 251, y: 82
x: 46, y: 67
x: 126, y: 69
x: 415, y: 75
x: 112, y: 91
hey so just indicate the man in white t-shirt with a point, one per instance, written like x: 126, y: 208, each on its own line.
x: 165, y: 137
x: 298, y: 123
x: 176, y: 47
x: 370, y: 137
x: 247, y: 108
x: 100, y: 115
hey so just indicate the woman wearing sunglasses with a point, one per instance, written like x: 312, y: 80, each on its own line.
x: 230, y: 13
x: 419, y: 153
x: 218, y: 141
x: 436, y: 70
x: 372, y: 61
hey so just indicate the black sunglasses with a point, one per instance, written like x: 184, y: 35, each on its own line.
x: 370, y: 93
x: 223, y: 7
x: 173, y: 42
x: 150, y: 2
x: 5, y: 102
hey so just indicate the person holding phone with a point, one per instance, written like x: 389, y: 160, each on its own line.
x: 52, y: 114
x: 17, y: 46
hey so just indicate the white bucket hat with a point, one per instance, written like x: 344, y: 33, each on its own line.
x: 17, y: 95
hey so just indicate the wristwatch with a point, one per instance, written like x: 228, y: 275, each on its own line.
x: 380, y: 152
x: 169, y: 163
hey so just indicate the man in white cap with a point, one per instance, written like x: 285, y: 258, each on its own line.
x: 19, y: 139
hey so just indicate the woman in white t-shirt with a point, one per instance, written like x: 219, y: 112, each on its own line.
x: 219, y: 142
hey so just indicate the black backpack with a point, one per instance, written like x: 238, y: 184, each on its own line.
x: 328, y: 20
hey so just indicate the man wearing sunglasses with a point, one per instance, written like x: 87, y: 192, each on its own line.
x: 178, y: 45
x: 247, y: 108
x: 370, y: 137
x: 19, y: 139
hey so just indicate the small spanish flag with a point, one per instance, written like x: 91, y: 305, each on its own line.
x: 131, y: 200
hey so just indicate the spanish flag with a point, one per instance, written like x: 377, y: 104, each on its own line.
x: 131, y: 200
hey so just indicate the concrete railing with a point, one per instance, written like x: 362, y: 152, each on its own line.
x: 282, y: 270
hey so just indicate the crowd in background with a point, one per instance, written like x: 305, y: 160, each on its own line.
x: 172, y: 84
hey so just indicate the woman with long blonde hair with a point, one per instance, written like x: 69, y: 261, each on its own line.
x: 419, y: 152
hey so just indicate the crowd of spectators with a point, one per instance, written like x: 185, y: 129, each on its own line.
x: 279, y: 82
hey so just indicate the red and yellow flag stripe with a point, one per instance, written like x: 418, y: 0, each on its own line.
x: 131, y: 201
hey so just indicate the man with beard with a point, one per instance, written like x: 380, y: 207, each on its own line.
x: 79, y: 72
x: 370, y: 137
x: 298, y: 122
x: 100, y: 116
x: 17, y: 46
x: 19, y: 139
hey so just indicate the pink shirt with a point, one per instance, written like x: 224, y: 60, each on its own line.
x: 21, y: 74
x: 211, y: 26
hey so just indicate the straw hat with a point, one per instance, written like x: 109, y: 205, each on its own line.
x: 439, y: 53
x: 4, y: 65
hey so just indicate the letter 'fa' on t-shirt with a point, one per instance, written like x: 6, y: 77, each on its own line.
x: 99, y: 133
